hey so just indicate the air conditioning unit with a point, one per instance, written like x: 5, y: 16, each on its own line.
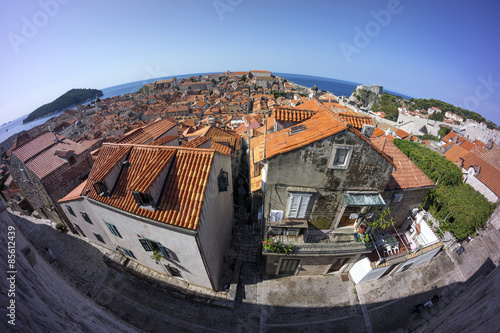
x: 367, y: 130
x: 397, y: 197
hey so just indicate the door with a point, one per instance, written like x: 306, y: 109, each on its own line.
x: 288, y: 266
x: 346, y: 220
x: 337, y: 264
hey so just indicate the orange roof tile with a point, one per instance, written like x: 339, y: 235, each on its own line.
x: 162, y: 141
x: 39, y: 153
x: 183, y: 193
x: 488, y: 175
x: 402, y: 134
x: 354, y: 119
x: 378, y: 132
x: 75, y: 193
x: 290, y: 114
x: 152, y: 163
x: 196, y: 142
x: 151, y: 131
x: 455, y: 153
x: 408, y: 174
x: 318, y: 127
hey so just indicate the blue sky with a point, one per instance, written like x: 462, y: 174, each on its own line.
x: 446, y: 50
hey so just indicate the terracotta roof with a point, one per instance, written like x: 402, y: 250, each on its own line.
x: 218, y: 135
x: 162, y: 141
x: 151, y: 131
x: 312, y: 105
x: 354, y: 119
x: 39, y: 154
x: 488, y: 175
x: 492, y: 156
x: 455, y: 153
x: 318, y: 127
x: 75, y: 193
x: 184, y: 191
x: 221, y: 148
x: 377, y: 132
x: 402, y: 134
x: 290, y: 114
x: 152, y: 163
x: 467, y: 145
x: 408, y: 174
x: 196, y: 142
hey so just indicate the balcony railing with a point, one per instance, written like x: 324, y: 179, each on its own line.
x: 334, y: 248
x: 326, y: 243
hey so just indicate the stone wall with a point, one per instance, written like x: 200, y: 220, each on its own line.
x: 412, y: 198
x: 308, y: 168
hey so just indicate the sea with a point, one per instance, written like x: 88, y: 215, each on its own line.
x: 338, y: 87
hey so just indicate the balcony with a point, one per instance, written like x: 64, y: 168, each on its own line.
x: 323, y: 243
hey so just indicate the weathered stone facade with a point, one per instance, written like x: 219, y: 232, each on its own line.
x: 43, y: 194
x: 309, y: 171
x: 411, y: 198
x: 308, y: 168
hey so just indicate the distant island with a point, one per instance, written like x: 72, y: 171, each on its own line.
x: 67, y: 100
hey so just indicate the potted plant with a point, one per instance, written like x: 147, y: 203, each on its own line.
x: 157, y: 256
x: 270, y: 244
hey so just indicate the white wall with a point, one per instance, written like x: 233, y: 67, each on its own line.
x: 216, y: 221
x: 181, y: 243
x: 362, y: 271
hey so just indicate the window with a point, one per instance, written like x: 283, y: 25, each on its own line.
x: 223, y: 181
x: 288, y: 266
x: 77, y: 227
x: 125, y: 251
x: 144, y: 200
x: 151, y: 245
x: 173, y: 271
x: 100, y: 188
x: 297, y: 205
x: 341, y: 156
x: 99, y: 238
x: 86, y: 217
x: 113, y: 229
x: 70, y: 210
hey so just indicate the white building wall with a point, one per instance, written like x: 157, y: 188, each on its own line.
x: 216, y: 221
x: 481, y: 188
x: 180, y: 243
x: 362, y: 271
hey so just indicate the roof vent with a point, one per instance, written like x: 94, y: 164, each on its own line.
x: 367, y: 130
x: 297, y: 129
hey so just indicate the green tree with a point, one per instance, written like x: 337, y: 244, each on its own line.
x: 438, y: 116
x: 457, y: 206
x: 443, y: 131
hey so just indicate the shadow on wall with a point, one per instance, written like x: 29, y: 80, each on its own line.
x: 150, y: 308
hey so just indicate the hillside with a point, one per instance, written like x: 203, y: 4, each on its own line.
x: 65, y: 101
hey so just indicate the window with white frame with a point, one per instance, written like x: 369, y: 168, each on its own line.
x: 297, y: 205
x: 341, y: 157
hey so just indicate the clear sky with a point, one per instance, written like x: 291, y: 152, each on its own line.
x: 447, y: 50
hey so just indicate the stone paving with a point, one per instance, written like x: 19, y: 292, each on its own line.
x: 263, y: 304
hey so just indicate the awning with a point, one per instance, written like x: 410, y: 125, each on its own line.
x: 363, y: 199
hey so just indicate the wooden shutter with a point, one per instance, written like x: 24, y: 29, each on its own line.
x: 298, y: 205
x: 304, y: 203
x: 294, y: 206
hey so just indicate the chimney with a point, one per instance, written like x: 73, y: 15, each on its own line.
x: 56, y: 139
